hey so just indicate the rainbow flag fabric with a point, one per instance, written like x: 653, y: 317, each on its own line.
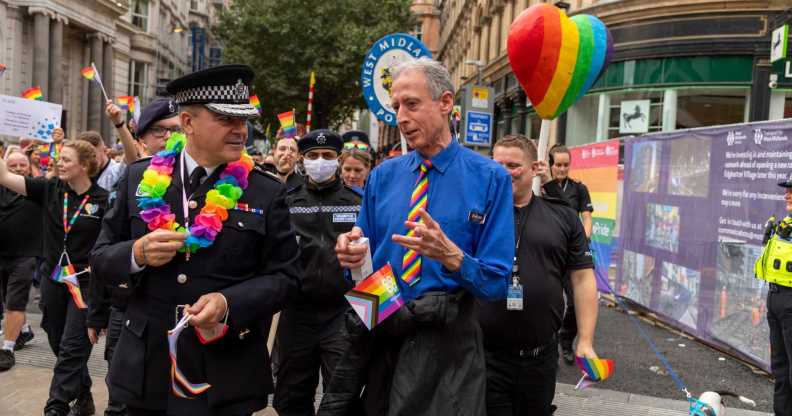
x: 287, y: 124
x: 594, y: 370
x: 68, y: 276
x: 33, y: 93
x: 126, y: 102
x: 254, y: 101
x: 376, y: 297
x: 88, y: 73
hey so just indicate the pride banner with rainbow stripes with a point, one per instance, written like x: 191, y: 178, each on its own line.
x: 597, y: 166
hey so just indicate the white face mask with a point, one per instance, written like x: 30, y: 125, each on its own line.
x: 320, y: 170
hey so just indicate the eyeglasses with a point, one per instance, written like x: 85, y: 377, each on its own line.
x: 359, y: 146
x: 161, y: 131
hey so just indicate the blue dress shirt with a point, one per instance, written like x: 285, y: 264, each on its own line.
x: 470, y: 197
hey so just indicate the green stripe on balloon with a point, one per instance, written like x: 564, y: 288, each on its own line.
x: 582, y: 66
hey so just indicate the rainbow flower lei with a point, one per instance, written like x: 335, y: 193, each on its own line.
x: 209, y: 222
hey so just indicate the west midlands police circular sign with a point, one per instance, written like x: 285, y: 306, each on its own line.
x: 375, y: 77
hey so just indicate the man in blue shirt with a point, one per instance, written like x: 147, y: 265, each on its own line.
x: 463, y: 236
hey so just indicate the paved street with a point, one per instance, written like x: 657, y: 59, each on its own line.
x: 634, y: 390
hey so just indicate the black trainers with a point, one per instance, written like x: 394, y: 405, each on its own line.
x: 83, y: 406
x: 23, y: 339
x: 7, y: 360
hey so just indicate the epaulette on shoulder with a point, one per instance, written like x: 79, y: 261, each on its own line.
x: 141, y: 160
x: 559, y: 201
x: 266, y: 174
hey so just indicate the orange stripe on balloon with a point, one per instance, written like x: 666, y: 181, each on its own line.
x: 562, y: 75
x: 548, y: 59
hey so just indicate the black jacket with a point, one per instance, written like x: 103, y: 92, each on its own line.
x: 253, y: 263
x: 319, y: 214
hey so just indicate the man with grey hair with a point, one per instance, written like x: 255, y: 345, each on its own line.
x: 441, y: 216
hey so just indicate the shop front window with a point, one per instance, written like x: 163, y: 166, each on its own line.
x: 702, y: 107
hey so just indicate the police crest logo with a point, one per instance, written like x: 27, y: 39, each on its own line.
x: 171, y: 107
x: 240, y: 87
x: 321, y: 139
x: 375, y: 76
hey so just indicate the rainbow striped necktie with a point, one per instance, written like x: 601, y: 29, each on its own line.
x: 411, y: 262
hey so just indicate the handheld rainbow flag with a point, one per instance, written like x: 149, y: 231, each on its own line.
x: 254, y: 101
x: 311, y: 85
x: 33, y: 93
x: 178, y: 379
x: 376, y: 297
x: 92, y: 74
x: 2, y: 69
x: 136, y: 110
x: 594, y: 370
x: 54, y: 150
x: 88, y: 72
x: 68, y: 276
x: 287, y: 124
x: 125, y: 102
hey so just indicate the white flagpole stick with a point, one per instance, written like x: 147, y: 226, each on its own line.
x: 99, y: 80
x: 544, y: 137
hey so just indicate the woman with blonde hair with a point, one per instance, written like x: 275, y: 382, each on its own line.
x: 73, y: 207
x: 355, y: 167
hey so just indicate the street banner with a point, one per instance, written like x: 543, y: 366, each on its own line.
x: 21, y: 117
x: 375, y: 75
x: 597, y: 166
x: 694, y: 211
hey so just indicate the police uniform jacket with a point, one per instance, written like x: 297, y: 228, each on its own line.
x: 253, y: 262
x: 319, y: 214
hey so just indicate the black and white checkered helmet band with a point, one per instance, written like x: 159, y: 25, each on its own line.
x: 233, y: 110
x: 214, y: 93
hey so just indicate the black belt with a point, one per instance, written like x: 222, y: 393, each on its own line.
x: 779, y: 288
x: 528, y: 352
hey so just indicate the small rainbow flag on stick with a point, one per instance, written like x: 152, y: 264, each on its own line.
x: 126, y: 102
x: 594, y: 370
x: 33, y: 93
x: 2, y: 69
x: 376, y: 297
x: 135, y: 109
x: 287, y: 124
x: 254, y: 101
x: 68, y: 276
x: 92, y: 74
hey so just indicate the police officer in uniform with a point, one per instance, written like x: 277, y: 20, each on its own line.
x: 577, y: 195
x: 310, y: 335
x: 775, y: 267
x: 229, y: 287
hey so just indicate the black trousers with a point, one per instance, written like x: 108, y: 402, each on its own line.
x: 306, y: 345
x: 779, y: 318
x: 67, y: 334
x: 518, y: 386
x: 114, y: 325
x: 568, y: 332
x: 144, y: 412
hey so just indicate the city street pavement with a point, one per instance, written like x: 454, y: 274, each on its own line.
x: 634, y: 390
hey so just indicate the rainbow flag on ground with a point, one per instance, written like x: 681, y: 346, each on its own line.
x: 594, y: 370
x: 68, y: 276
x: 33, y: 93
x: 88, y: 72
x: 376, y: 297
x: 287, y: 124
x: 254, y: 101
x: 126, y: 102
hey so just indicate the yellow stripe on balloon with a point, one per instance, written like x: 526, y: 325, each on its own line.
x: 564, y: 70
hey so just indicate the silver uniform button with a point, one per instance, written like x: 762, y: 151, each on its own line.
x: 240, y: 224
x: 192, y: 204
x: 181, y: 278
x: 127, y: 322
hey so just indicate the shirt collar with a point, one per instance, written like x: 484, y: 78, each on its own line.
x: 441, y: 160
x: 191, y: 164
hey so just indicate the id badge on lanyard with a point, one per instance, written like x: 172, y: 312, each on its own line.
x: 514, y: 296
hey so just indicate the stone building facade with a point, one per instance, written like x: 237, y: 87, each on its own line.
x: 136, y: 45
